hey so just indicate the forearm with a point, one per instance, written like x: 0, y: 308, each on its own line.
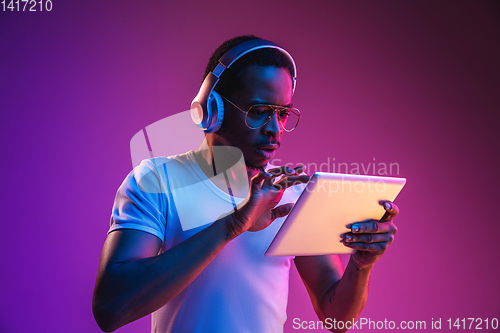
x: 127, y: 291
x: 345, y: 300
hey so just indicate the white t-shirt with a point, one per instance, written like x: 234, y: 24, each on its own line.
x: 241, y: 290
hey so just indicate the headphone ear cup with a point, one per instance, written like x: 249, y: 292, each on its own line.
x: 215, y: 108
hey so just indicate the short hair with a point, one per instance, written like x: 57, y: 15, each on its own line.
x: 231, y: 79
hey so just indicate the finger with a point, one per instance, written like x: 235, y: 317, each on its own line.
x: 377, y: 248
x: 373, y: 227
x: 286, y: 182
x: 278, y: 172
x: 282, y: 170
x: 256, y: 181
x: 299, y: 169
x: 368, y: 238
x: 281, y: 211
x: 391, y: 210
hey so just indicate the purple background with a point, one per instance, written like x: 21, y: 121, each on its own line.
x: 408, y: 82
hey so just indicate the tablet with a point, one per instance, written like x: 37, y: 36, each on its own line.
x: 329, y: 202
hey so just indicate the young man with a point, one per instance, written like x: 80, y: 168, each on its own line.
x: 183, y: 247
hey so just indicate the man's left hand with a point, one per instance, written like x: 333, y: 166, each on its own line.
x: 372, y: 238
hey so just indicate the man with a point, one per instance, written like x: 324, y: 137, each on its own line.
x: 212, y: 276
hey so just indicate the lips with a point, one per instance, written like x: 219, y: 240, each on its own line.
x: 267, y: 151
x: 269, y: 147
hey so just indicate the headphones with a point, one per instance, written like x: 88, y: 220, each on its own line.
x: 207, y: 108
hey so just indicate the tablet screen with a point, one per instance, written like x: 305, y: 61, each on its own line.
x: 329, y: 203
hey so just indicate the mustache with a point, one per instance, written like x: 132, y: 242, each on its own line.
x: 278, y: 143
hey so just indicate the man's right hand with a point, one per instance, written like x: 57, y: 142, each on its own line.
x: 149, y: 280
x: 259, y: 210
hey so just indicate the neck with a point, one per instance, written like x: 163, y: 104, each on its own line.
x: 253, y: 170
x: 225, y: 164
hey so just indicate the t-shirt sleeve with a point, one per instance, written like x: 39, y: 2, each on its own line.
x: 140, y: 202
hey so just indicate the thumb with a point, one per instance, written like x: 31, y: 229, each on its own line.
x: 256, y: 180
x: 281, y: 211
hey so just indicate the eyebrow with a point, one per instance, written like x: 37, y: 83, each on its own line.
x: 254, y: 102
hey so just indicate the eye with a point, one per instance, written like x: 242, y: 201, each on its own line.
x: 258, y: 111
x: 284, y: 113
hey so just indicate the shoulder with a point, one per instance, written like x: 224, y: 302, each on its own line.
x: 151, y: 173
x: 158, y: 165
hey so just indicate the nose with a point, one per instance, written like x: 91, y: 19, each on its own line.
x: 273, y: 126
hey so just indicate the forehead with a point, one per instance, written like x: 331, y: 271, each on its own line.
x: 266, y: 84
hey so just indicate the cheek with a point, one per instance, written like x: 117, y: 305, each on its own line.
x: 233, y: 127
x: 231, y: 121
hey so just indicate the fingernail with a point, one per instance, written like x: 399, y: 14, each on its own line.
x: 355, y: 228
x: 388, y: 205
x: 348, y: 238
x: 267, y: 174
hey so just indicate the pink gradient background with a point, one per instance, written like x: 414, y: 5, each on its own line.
x: 409, y: 82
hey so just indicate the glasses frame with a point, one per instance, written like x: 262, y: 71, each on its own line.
x: 275, y: 109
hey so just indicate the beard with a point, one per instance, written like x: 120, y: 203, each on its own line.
x: 253, y: 167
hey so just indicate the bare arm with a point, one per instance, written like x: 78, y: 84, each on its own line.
x: 134, y: 281
x: 342, y: 295
x: 334, y: 293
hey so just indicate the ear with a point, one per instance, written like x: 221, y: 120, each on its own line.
x: 215, y: 110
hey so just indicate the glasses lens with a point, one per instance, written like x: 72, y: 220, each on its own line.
x: 259, y: 115
x: 289, y: 118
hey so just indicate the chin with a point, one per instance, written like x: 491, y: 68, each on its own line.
x: 256, y: 165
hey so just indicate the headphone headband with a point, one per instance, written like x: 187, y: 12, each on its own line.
x: 201, y: 112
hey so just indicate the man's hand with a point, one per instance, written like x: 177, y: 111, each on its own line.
x: 372, y: 238
x: 259, y: 209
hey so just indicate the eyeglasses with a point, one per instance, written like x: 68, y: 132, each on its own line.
x: 259, y: 114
